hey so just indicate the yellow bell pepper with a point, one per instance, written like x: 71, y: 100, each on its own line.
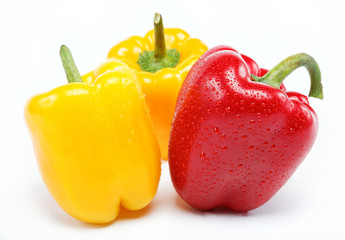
x: 162, y: 60
x: 94, y: 143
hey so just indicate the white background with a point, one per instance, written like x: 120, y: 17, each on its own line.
x: 309, y: 206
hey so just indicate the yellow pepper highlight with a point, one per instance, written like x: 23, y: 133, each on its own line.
x: 162, y: 87
x: 95, y: 145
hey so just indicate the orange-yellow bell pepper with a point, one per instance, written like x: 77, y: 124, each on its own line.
x: 94, y: 143
x: 161, y: 59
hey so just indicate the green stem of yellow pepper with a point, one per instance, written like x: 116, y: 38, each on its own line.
x: 160, y: 48
x: 68, y: 63
x: 160, y: 57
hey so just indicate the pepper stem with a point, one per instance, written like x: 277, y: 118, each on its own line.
x: 160, y: 57
x: 159, y: 40
x: 277, y: 74
x: 68, y: 63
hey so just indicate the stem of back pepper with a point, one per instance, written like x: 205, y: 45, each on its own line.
x: 68, y: 63
x: 160, y: 57
x: 276, y: 75
x: 159, y: 40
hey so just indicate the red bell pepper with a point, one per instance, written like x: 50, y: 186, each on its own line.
x: 237, y: 138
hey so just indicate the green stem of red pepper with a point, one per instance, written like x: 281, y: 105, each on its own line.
x: 277, y: 74
x: 68, y: 63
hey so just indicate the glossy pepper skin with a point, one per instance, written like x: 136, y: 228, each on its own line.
x: 95, y: 145
x: 235, y: 141
x: 161, y: 87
